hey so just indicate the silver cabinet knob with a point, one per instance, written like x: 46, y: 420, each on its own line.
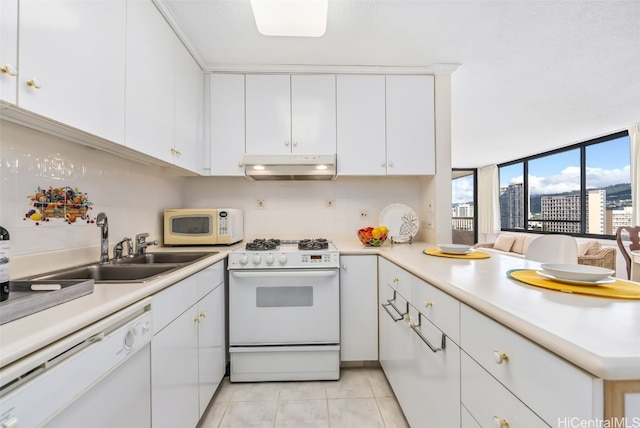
x: 390, y: 164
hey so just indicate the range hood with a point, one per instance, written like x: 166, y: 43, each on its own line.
x: 290, y: 167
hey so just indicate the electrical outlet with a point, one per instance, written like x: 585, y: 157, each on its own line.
x: 364, y: 215
x: 330, y: 203
x: 260, y: 204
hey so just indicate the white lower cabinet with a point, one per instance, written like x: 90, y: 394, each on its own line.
x: 358, y: 308
x: 490, y: 403
x: 521, y: 372
x: 421, y: 363
x: 187, y: 350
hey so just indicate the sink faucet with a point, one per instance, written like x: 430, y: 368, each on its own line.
x: 119, y: 248
x: 142, y: 244
x: 103, y: 224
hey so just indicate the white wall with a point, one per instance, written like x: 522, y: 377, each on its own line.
x: 132, y: 195
x: 297, y: 209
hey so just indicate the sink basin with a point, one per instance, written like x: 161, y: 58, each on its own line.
x: 177, y: 257
x: 112, y: 272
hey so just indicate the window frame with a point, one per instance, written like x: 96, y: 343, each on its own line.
x: 583, y: 185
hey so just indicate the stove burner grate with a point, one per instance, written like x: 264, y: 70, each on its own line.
x: 263, y: 244
x: 313, y: 244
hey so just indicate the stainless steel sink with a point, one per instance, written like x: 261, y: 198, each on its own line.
x: 166, y: 257
x: 138, y: 269
x: 112, y: 272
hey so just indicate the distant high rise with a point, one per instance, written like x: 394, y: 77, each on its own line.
x: 560, y: 213
x: 596, y: 211
x: 512, y: 206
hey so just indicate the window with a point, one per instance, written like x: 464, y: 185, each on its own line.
x: 463, y: 212
x: 584, y: 189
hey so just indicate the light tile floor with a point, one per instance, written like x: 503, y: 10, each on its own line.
x: 362, y: 398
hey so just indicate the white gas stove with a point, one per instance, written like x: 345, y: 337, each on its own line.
x: 284, y: 311
x: 283, y: 254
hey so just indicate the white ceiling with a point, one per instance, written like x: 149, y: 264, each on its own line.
x: 535, y: 75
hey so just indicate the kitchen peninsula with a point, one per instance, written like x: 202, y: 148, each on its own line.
x: 595, y: 340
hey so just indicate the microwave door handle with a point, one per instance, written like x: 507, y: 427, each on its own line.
x: 287, y: 274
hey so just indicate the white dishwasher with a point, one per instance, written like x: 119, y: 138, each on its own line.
x: 98, y: 377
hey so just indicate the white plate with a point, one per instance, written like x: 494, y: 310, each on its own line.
x: 454, y: 248
x: 574, y: 282
x: 400, y: 219
x: 577, y: 272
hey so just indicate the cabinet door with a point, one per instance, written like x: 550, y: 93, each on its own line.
x: 189, y: 112
x: 211, y: 346
x: 76, y: 51
x: 431, y: 395
x: 8, y: 50
x: 227, y: 124
x: 174, y: 373
x: 358, y: 308
x: 361, y: 125
x: 268, y: 114
x: 410, y: 125
x: 313, y: 114
x: 149, y: 81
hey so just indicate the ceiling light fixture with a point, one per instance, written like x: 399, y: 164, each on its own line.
x: 292, y: 18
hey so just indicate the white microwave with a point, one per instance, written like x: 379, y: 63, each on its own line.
x: 203, y: 226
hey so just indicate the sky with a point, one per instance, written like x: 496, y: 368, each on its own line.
x: 607, y: 164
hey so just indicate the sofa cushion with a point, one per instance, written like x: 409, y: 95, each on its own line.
x: 593, y: 249
x: 518, y: 244
x: 504, y: 242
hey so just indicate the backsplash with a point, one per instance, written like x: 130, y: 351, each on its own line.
x: 134, y: 197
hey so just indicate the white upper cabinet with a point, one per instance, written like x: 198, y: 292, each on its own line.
x: 386, y: 125
x: 313, y: 114
x: 410, y: 125
x: 361, y: 125
x: 189, y: 112
x: 268, y: 114
x: 8, y: 50
x: 151, y: 45
x: 290, y: 114
x: 72, y: 63
x: 227, y: 124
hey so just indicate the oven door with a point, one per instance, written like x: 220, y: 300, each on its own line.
x: 286, y: 306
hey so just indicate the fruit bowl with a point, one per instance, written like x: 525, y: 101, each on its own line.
x: 373, y: 237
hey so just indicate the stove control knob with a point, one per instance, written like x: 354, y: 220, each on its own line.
x: 282, y: 259
x: 257, y: 260
x: 244, y: 259
x: 269, y: 260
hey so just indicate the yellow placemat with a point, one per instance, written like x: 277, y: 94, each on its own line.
x: 472, y: 255
x: 619, y: 289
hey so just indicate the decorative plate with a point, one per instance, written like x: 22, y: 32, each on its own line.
x: 400, y: 219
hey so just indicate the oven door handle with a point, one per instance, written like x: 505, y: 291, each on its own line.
x: 287, y: 273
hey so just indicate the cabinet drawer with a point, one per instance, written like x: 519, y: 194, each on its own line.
x: 168, y: 304
x: 438, y: 307
x: 395, y: 277
x: 490, y: 403
x: 210, y: 278
x: 549, y: 385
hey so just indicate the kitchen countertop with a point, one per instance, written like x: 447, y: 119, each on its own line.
x: 600, y: 335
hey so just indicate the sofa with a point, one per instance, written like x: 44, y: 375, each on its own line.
x: 590, y: 252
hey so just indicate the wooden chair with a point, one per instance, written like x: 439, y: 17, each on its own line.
x: 634, y: 245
